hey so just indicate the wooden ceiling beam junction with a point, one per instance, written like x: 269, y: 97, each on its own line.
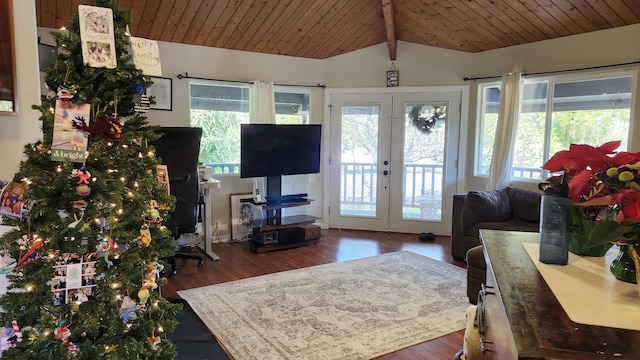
x: 389, y: 26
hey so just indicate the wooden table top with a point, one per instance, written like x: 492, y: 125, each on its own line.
x: 540, y: 326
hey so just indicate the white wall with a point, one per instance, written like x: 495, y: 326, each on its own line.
x: 613, y: 46
x: 18, y: 130
x: 418, y: 66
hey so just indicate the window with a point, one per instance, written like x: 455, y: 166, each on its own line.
x: 556, y: 112
x: 291, y: 107
x: 7, y: 60
x: 219, y: 108
x: 490, y: 101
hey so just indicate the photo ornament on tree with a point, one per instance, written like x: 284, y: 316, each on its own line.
x: 12, y: 204
x: 96, y: 32
x: 74, y: 278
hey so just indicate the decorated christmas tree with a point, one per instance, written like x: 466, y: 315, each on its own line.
x: 86, y: 207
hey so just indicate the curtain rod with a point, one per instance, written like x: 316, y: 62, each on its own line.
x: 186, y: 76
x: 555, y: 71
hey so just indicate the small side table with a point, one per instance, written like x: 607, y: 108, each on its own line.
x: 206, y: 186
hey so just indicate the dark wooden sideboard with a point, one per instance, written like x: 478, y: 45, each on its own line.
x: 523, y: 318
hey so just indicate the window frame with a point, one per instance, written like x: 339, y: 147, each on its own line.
x: 551, y: 80
x: 8, y: 62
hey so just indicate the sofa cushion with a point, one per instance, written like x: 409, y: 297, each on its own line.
x: 525, y: 204
x: 485, y: 206
x: 512, y: 224
x: 475, y: 258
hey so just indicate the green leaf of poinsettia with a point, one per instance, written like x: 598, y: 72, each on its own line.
x: 608, y: 231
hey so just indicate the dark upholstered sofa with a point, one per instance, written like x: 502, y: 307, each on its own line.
x: 502, y: 209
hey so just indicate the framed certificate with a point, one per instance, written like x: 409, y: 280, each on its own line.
x: 161, y: 91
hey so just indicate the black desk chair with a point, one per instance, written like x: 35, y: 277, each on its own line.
x: 179, y: 148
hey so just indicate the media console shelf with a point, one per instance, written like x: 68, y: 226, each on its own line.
x: 277, y: 232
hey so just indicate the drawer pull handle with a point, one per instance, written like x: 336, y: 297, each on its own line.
x: 484, y: 290
x: 479, y: 320
x: 483, y: 346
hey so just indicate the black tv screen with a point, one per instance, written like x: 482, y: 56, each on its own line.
x: 270, y: 150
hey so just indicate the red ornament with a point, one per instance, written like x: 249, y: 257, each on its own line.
x: 83, y: 176
x: 104, y: 126
x: 65, y: 97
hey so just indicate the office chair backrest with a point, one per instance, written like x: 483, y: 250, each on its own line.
x: 179, y: 148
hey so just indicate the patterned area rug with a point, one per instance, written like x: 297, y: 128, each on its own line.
x: 356, y: 309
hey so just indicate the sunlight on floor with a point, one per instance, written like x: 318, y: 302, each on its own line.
x: 350, y: 249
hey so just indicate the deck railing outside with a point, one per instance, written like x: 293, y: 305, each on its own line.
x: 359, y: 179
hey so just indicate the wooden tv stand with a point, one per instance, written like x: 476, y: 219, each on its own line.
x: 277, y: 232
x: 524, y: 320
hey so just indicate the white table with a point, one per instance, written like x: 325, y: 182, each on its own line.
x: 207, y: 186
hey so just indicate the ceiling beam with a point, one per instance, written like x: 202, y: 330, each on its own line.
x: 389, y: 26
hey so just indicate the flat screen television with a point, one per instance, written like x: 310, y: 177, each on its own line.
x: 273, y: 150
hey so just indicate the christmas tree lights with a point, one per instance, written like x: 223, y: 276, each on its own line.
x: 85, y: 255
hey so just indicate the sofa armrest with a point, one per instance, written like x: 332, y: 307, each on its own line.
x: 457, y: 233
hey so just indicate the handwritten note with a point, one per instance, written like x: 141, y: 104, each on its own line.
x: 146, y: 56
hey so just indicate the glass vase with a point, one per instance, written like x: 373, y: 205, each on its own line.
x: 582, y: 225
x: 623, y: 267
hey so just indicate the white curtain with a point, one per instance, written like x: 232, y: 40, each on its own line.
x: 262, y: 110
x: 262, y: 103
x: 500, y: 170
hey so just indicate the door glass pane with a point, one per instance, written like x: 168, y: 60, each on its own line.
x: 359, y: 159
x: 423, y: 159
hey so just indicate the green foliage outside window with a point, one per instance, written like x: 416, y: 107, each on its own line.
x: 220, y: 142
x: 593, y: 127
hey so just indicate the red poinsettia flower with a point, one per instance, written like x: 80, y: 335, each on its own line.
x: 581, y: 186
x: 582, y: 162
x: 630, y: 200
x: 581, y: 157
x: 600, y: 177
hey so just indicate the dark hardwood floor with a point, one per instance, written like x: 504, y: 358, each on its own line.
x: 238, y: 262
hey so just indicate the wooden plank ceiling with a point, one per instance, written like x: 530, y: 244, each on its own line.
x: 320, y: 29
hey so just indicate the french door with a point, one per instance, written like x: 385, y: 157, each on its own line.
x: 393, y: 161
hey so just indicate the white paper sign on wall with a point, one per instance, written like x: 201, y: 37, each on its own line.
x: 146, y: 56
